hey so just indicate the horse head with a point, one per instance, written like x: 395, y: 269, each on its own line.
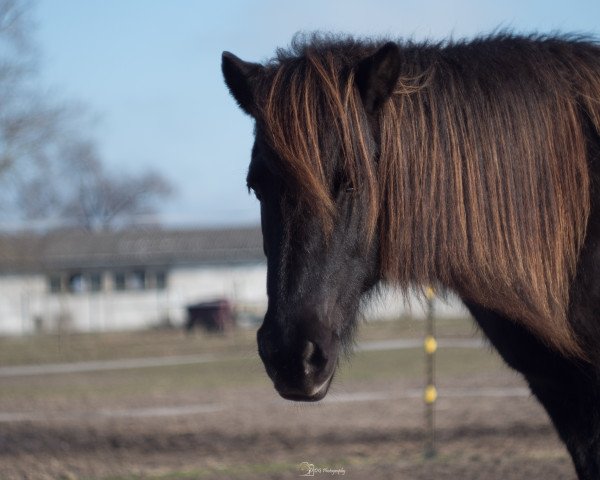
x: 319, y: 234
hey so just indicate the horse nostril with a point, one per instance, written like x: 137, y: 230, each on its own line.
x: 313, y: 358
x: 307, y: 354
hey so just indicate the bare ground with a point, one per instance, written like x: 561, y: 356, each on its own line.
x: 254, y: 435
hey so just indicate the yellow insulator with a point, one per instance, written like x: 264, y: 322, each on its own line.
x: 429, y: 293
x: 430, y: 395
x: 430, y: 344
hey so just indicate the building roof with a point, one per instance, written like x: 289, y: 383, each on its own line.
x: 76, y: 249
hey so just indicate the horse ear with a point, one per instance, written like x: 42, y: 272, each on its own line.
x: 377, y: 75
x: 240, y: 77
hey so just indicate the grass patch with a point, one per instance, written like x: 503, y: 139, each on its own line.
x: 121, y: 384
x: 410, y: 363
x: 406, y: 327
x: 75, y: 347
x: 234, y: 371
x: 237, y: 363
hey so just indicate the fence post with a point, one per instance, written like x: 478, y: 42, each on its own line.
x: 430, y: 393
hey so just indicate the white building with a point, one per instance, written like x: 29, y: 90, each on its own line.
x: 126, y: 279
x: 138, y: 279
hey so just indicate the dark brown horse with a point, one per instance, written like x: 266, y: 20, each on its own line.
x: 470, y: 166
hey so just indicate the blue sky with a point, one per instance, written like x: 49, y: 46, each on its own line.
x: 150, y: 69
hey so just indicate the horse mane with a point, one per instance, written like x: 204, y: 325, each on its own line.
x: 474, y: 176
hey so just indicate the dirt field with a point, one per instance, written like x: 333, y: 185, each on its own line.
x: 222, y: 419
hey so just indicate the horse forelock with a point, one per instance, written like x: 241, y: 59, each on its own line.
x: 310, y: 113
x: 475, y: 175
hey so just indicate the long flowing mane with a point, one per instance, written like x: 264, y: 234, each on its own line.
x: 474, y: 176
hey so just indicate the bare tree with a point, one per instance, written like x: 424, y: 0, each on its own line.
x: 49, y: 168
x: 80, y: 191
x: 14, y: 23
x: 21, y: 112
x: 30, y: 124
x: 101, y: 199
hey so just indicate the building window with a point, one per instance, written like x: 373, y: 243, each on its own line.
x: 77, y: 283
x: 55, y: 283
x: 95, y: 282
x: 120, y: 281
x: 136, y: 280
x: 161, y: 280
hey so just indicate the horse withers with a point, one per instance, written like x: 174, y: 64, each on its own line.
x: 470, y: 166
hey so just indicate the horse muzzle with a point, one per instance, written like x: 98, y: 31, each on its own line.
x: 301, y: 368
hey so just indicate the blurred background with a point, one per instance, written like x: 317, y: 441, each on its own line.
x: 132, y: 278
